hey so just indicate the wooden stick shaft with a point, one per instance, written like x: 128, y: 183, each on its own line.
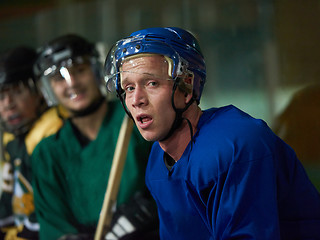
x: 118, y: 162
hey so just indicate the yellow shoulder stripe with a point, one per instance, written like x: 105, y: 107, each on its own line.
x: 48, y: 124
x: 7, y: 137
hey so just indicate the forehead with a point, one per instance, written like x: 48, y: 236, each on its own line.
x: 12, y: 87
x: 145, y: 63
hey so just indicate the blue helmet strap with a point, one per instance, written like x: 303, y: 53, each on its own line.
x: 178, y: 119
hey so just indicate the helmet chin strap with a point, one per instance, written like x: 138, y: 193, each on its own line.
x: 178, y: 118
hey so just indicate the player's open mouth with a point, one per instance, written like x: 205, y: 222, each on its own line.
x: 144, y: 120
x: 72, y: 95
x: 14, y: 119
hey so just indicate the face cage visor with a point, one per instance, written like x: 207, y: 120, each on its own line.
x: 131, y: 47
x: 67, y: 71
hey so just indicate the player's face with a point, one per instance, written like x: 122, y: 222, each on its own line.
x: 18, y: 105
x: 148, y: 90
x: 75, y: 88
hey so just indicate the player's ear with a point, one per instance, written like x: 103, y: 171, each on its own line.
x: 186, y: 85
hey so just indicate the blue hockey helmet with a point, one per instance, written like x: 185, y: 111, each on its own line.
x: 175, y: 43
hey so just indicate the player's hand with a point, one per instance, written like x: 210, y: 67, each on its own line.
x: 135, y: 219
x: 25, y: 233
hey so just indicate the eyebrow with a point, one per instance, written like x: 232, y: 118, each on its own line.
x: 125, y: 80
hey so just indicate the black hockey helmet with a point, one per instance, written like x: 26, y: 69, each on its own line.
x: 65, y: 51
x: 16, y: 65
x: 62, y: 51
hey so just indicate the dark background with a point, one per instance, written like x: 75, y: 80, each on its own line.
x: 259, y: 53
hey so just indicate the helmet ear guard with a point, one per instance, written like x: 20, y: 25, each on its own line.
x: 185, y: 83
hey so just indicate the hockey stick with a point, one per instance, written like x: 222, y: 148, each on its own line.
x: 118, y: 162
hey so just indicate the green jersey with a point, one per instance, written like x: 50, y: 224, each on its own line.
x: 70, y: 180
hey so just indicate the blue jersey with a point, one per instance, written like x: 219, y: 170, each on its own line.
x: 238, y: 180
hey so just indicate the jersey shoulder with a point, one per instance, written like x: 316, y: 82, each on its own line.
x: 48, y: 123
x: 228, y: 136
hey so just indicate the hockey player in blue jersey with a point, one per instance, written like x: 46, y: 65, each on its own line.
x: 216, y: 173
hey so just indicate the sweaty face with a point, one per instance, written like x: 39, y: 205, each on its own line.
x: 18, y: 105
x: 75, y: 87
x: 148, y: 90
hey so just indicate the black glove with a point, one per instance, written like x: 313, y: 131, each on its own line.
x: 137, y: 219
x: 28, y: 234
